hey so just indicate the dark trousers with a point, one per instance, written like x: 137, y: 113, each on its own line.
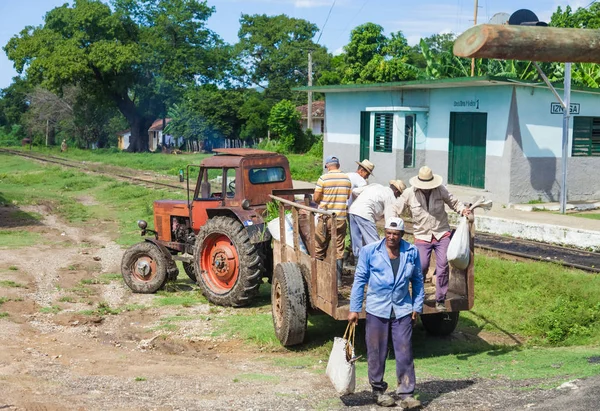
x: 441, y: 263
x: 377, y: 335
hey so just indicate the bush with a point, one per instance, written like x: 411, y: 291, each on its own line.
x: 568, y: 318
x: 12, y: 137
x: 316, y: 150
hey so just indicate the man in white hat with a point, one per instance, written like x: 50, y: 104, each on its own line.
x: 359, y: 179
x: 425, y: 201
x: 387, y: 267
x: 374, y: 202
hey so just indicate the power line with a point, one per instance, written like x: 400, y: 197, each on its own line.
x: 352, y: 19
x: 326, y: 20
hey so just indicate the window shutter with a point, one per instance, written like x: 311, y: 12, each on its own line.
x: 595, y: 138
x: 582, y: 136
x: 383, y: 132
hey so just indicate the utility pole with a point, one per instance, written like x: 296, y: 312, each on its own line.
x: 474, y: 23
x: 565, y: 137
x: 309, y: 111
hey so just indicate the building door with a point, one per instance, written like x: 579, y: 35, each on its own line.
x: 365, y: 134
x: 466, y: 157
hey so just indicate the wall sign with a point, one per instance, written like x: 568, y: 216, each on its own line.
x: 556, y: 108
x: 467, y: 103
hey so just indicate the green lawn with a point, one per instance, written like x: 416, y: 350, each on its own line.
x: 592, y: 216
x: 303, y: 167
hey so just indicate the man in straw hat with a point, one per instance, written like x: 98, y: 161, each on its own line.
x: 331, y: 193
x: 359, y: 179
x: 388, y: 267
x: 425, y: 200
x: 374, y: 202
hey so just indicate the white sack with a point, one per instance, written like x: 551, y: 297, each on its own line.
x: 340, y: 370
x: 273, y: 227
x: 458, y: 250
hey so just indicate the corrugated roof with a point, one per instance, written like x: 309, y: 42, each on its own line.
x: 318, y: 109
x: 158, y: 124
x: 481, y: 81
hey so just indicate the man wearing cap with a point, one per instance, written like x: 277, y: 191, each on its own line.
x: 374, y: 202
x: 359, y: 179
x: 425, y: 201
x: 331, y: 193
x: 388, y: 267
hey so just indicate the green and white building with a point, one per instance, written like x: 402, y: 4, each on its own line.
x: 495, y: 134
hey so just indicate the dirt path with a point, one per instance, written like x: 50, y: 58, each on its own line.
x: 59, y: 359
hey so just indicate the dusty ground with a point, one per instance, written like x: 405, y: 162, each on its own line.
x: 63, y: 360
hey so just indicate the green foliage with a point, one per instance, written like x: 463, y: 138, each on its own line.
x: 11, y: 284
x: 569, y: 318
x: 316, y: 150
x: 284, y: 122
x: 18, y: 238
x: 137, y: 55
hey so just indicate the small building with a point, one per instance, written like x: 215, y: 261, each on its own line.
x: 123, y: 139
x: 155, y: 134
x: 495, y: 134
x: 318, y: 117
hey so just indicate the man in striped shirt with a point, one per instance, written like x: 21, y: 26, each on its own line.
x: 331, y: 193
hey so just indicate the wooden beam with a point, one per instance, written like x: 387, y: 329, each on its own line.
x: 530, y: 43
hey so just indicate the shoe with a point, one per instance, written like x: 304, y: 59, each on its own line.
x: 440, y: 307
x: 410, y: 403
x: 384, y: 400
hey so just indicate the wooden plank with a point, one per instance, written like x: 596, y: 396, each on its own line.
x: 531, y: 43
x: 282, y: 237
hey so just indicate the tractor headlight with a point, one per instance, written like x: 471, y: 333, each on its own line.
x: 246, y: 204
x: 142, y: 224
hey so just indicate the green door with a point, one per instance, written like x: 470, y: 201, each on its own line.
x: 466, y: 157
x: 365, y: 133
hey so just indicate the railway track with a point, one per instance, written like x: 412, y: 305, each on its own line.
x: 570, y: 257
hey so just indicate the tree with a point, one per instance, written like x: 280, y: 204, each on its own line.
x: 371, y: 57
x: 273, y: 53
x: 14, y: 103
x: 284, y: 122
x: 140, y: 55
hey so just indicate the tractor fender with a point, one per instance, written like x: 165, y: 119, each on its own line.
x: 172, y: 270
x: 250, y: 219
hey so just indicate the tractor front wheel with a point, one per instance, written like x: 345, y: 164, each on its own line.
x: 144, y: 268
x: 189, y: 270
x: 228, y: 267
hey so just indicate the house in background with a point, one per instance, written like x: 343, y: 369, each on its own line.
x: 123, y: 139
x: 495, y: 134
x: 318, y: 117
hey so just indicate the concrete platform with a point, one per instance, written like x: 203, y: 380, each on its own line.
x: 544, y: 226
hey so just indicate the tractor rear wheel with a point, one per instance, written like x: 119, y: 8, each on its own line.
x: 288, y: 304
x: 440, y: 324
x: 228, y: 267
x: 144, y: 268
x: 189, y: 270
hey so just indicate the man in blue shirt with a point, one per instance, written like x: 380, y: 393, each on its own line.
x: 388, y: 267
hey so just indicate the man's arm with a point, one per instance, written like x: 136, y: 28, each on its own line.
x: 361, y: 278
x: 452, y: 202
x: 359, y: 190
x: 418, y: 291
x: 318, y: 195
x: 398, y: 206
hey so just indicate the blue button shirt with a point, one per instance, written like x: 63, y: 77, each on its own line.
x: 386, y: 292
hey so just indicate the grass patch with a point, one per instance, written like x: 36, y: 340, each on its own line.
x: 3, y: 315
x: 134, y: 307
x: 138, y: 379
x: 18, y: 238
x: 101, y: 279
x: 66, y: 299
x: 3, y: 300
x: 13, y: 268
x: 591, y: 216
x: 11, y: 284
x: 185, y: 299
x: 53, y: 309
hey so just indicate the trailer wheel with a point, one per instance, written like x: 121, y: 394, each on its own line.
x: 189, y: 270
x: 144, y: 268
x: 440, y: 324
x: 288, y: 304
x: 227, y: 265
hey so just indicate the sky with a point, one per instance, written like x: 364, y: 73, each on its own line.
x: 415, y: 18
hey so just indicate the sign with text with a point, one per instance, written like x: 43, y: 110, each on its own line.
x: 556, y: 108
x: 467, y: 103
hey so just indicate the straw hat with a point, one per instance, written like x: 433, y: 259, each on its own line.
x: 399, y: 184
x: 426, y: 180
x: 367, y: 165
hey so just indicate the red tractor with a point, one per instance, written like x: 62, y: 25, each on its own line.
x: 218, y: 234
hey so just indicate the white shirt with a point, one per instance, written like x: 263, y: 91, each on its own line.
x: 373, y: 203
x: 357, y: 181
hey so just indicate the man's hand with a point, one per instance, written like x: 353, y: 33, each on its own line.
x: 353, y: 318
x: 414, y: 317
x: 466, y: 212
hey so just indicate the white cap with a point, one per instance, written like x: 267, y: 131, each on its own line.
x: 394, y: 223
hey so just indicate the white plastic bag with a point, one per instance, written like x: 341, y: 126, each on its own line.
x: 340, y: 367
x: 458, y: 250
x: 273, y: 227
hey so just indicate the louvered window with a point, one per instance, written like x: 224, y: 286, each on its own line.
x: 382, y: 140
x: 409, y: 141
x: 586, y: 136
